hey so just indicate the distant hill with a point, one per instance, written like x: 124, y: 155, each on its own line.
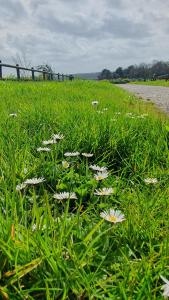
x: 87, y: 76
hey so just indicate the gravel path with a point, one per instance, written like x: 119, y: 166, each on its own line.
x: 157, y: 94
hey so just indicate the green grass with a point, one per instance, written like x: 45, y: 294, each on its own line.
x: 155, y: 82
x: 65, y: 250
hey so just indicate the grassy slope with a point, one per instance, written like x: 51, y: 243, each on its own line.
x: 150, y: 82
x: 72, y: 253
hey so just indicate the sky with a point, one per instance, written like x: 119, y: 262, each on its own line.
x: 79, y: 36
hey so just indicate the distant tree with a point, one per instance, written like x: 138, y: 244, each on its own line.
x: 142, y: 71
x: 119, y: 72
x: 22, y: 60
x: 130, y: 72
x: 46, y: 68
x: 105, y: 74
x: 160, y: 68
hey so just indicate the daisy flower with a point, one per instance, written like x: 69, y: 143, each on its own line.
x: 71, y: 154
x: 99, y: 112
x: 13, y: 115
x: 165, y: 287
x: 49, y: 142
x: 97, y: 168
x: 20, y: 187
x: 129, y: 114
x: 101, y: 175
x: 64, y: 195
x: 150, y: 180
x: 118, y: 113
x: 58, y: 136
x: 34, y: 180
x: 34, y: 227
x: 94, y: 103
x: 65, y: 164
x: 87, y: 154
x: 104, y: 192
x: 25, y: 170
x: 112, y: 215
x: 45, y: 149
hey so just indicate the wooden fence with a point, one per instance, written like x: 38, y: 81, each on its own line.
x: 45, y: 74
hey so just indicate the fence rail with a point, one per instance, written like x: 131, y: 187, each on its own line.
x: 46, y: 75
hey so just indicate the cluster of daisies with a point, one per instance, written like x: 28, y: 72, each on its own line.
x: 100, y: 173
x: 95, y: 103
x: 112, y: 215
x: 134, y: 116
x: 53, y: 140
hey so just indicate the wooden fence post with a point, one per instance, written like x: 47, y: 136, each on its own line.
x: 33, y: 73
x: 0, y: 70
x: 44, y: 74
x: 71, y: 77
x: 18, y: 72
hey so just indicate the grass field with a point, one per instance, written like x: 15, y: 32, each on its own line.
x: 155, y: 82
x: 55, y: 248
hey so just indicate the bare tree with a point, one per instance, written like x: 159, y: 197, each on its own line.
x: 22, y: 60
x: 46, y: 68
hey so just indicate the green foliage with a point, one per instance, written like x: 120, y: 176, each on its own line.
x: 105, y: 74
x: 156, y: 70
x: 155, y: 82
x: 120, y: 81
x: 52, y: 249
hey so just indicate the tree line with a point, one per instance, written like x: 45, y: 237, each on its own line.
x: 141, y: 72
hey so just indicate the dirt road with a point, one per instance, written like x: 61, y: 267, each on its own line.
x: 157, y: 94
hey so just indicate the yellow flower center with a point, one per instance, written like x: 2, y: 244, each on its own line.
x: 113, y: 219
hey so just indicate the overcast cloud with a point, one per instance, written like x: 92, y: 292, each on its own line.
x: 84, y: 35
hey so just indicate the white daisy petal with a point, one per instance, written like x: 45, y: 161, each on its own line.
x: 65, y: 195
x: 65, y: 164
x: 104, y: 192
x: 71, y: 154
x: 87, y: 154
x: 49, y: 142
x: 164, y: 279
x: 97, y: 168
x: 34, y: 180
x: 20, y: 187
x: 43, y: 149
x: 150, y: 180
x: 58, y: 136
x: 13, y: 115
x: 165, y: 287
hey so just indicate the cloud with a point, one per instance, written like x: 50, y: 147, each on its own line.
x: 82, y: 36
x: 11, y: 11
